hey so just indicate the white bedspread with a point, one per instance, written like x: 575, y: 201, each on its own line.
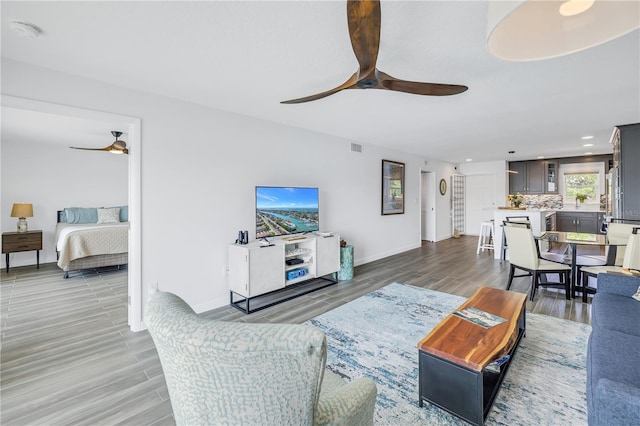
x: 77, y: 241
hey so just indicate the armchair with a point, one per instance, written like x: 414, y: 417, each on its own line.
x: 252, y: 374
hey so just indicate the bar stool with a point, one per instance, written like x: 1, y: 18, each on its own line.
x: 485, y: 239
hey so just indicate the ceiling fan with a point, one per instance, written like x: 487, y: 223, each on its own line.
x: 117, y: 147
x: 364, y: 29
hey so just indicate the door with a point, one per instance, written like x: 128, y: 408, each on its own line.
x: 481, y: 202
x: 327, y: 255
x: 428, y: 210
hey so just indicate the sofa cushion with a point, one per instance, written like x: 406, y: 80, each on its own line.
x: 613, y: 312
x: 612, y: 363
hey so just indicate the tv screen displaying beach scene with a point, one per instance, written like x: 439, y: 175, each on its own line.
x: 286, y: 210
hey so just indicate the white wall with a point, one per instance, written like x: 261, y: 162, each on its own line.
x: 52, y: 177
x: 211, y: 160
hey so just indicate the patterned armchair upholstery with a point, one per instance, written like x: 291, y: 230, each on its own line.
x: 250, y: 374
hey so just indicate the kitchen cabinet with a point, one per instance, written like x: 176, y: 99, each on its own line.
x: 551, y: 172
x: 530, y: 177
x: 588, y: 222
x: 626, y: 173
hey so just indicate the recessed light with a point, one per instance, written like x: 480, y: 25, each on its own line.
x: 588, y: 144
x: 24, y: 29
x: 588, y: 153
x: 468, y: 159
x: 540, y: 157
x: 586, y: 137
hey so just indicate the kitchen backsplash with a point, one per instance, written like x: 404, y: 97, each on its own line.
x: 544, y: 201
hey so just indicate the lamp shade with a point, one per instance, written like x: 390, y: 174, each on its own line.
x: 22, y: 210
x: 529, y: 30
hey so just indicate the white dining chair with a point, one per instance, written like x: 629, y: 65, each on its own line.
x: 630, y: 261
x: 523, y: 254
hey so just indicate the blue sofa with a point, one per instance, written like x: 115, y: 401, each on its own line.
x: 613, y: 354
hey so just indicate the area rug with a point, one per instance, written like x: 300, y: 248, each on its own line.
x: 376, y: 336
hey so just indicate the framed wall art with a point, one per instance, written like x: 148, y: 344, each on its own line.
x: 392, y: 187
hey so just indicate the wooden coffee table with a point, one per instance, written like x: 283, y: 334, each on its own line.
x: 453, y: 357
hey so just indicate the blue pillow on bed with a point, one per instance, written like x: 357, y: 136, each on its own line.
x: 81, y: 214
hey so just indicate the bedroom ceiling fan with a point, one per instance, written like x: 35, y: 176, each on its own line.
x: 364, y: 29
x: 117, y: 147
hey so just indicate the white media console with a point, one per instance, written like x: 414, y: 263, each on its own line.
x: 260, y: 271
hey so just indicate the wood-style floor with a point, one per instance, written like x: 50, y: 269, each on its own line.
x: 68, y: 357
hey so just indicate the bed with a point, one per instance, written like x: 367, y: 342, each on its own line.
x: 88, y: 238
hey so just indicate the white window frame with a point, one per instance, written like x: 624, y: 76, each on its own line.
x: 575, y: 168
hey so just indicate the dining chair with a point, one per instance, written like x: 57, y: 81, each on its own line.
x: 522, y: 220
x: 524, y: 255
x: 631, y: 260
x: 617, y: 236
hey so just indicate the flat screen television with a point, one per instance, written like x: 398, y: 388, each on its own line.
x: 286, y: 210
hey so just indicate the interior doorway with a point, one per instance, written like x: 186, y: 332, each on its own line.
x: 428, y: 206
x: 132, y: 127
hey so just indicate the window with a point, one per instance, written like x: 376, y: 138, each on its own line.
x: 586, y: 178
x: 586, y: 184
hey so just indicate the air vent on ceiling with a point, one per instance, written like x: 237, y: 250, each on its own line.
x: 355, y: 147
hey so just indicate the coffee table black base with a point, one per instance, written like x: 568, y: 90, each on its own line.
x: 465, y: 393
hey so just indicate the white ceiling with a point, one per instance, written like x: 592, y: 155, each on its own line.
x: 246, y: 57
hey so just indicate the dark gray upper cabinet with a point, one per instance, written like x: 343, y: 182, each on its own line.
x: 626, y: 157
x: 551, y: 170
x: 529, y: 179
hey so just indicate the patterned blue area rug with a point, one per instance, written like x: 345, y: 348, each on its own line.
x: 377, y: 334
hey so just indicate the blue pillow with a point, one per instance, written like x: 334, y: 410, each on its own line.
x: 81, y: 214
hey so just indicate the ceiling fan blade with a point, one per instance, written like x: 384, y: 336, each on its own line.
x: 346, y: 85
x: 431, y: 89
x: 108, y: 148
x: 364, y: 30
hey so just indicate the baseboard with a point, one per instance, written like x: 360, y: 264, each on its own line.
x: 365, y: 260
x: 211, y: 305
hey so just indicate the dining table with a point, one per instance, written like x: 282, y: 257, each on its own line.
x: 570, y: 257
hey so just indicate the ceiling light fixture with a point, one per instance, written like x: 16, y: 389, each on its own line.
x: 533, y: 30
x: 515, y: 172
x: 468, y: 159
x: 586, y: 137
x: 575, y: 7
x: 588, y: 153
x: 587, y: 144
x: 540, y: 157
x: 24, y: 29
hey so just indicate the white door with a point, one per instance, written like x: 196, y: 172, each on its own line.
x: 481, y: 201
x: 428, y: 209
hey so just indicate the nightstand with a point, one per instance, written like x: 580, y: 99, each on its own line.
x: 13, y: 242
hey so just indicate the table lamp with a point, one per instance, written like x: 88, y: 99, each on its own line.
x: 22, y: 211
